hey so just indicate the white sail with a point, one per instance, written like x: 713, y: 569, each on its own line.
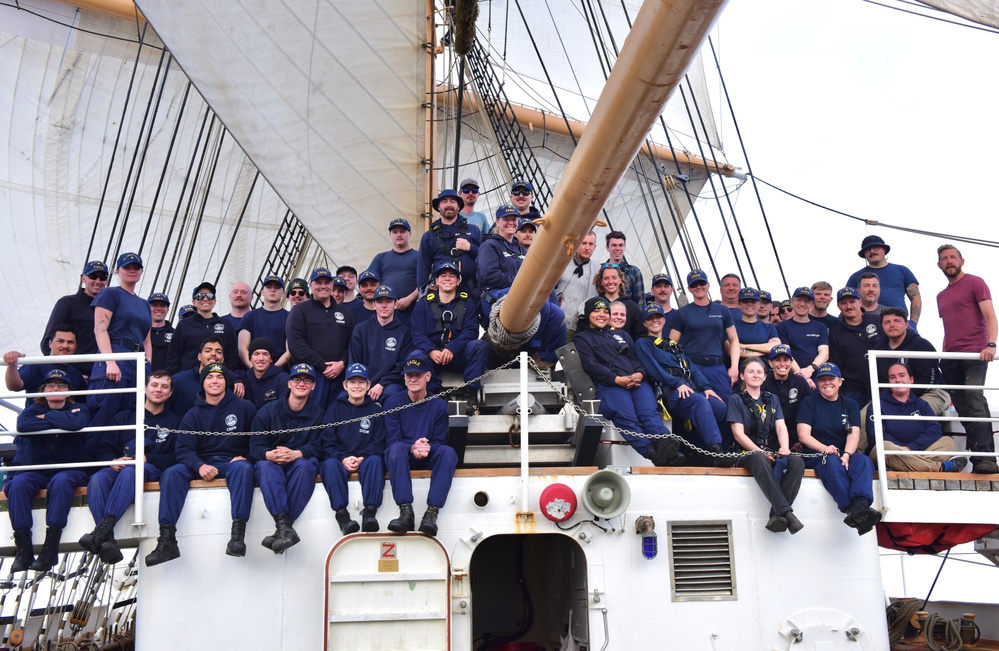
x: 985, y: 12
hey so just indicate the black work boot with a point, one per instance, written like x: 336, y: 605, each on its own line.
x: 109, y: 551
x: 25, y: 555
x: 347, y: 526
x: 369, y: 524
x: 236, y: 546
x: 166, y: 546
x: 285, y: 536
x: 92, y: 541
x: 428, y: 526
x: 861, y: 516
x: 49, y: 554
x: 406, y: 520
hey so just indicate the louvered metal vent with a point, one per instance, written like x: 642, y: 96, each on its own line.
x: 701, y: 563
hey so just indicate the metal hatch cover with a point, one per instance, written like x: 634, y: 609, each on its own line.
x: 387, y: 592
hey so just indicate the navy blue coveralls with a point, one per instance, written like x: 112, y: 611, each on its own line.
x: 831, y: 421
x: 470, y: 354
x: 365, y: 438
x: 402, y: 430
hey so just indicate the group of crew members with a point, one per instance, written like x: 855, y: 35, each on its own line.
x: 292, y: 393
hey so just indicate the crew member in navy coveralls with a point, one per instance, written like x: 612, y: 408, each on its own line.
x: 63, y: 342
x: 500, y: 258
x: 209, y: 457
x: 264, y: 381
x: 702, y: 328
x: 608, y: 356
x: 381, y: 344
x: 354, y: 447
x: 446, y: 327
x: 112, y: 488
x: 161, y: 332
x: 319, y: 333
x: 192, y: 330
x: 286, y: 464
x: 450, y: 238
x: 44, y: 414
x: 77, y: 310
x: 758, y: 427
x: 121, y: 325
x: 830, y: 423
x: 416, y: 439
x: 687, y: 392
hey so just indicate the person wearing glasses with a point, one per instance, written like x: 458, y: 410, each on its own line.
x: 703, y: 328
x: 298, y: 292
x: 285, y: 465
x: 267, y: 321
x: 786, y: 311
x: 615, y: 242
x: 54, y: 412
x: 190, y: 332
x: 77, y: 311
x: 522, y: 197
x: 469, y: 190
x: 397, y: 268
x: 122, y: 321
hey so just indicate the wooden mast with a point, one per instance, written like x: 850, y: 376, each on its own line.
x: 663, y: 41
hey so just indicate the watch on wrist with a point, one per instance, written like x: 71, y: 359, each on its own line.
x: 991, y: 344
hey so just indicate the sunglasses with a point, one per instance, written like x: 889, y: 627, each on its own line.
x: 204, y: 297
x: 56, y: 385
x: 98, y: 276
x: 787, y: 309
x: 470, y: 190
x: 609, y: 265
x: 699, y: 283
x: 521, y: 193
x: 302, y: 380
x: 296, y: 292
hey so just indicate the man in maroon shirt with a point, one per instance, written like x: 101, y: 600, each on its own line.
x: 965, y: 306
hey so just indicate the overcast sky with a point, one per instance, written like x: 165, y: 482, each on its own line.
x: 873, y: 112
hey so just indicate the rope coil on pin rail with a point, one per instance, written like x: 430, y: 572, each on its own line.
x: 341, y: 422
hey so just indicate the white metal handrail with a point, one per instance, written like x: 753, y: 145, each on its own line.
x: 140, y: 417
x: 878, y: 417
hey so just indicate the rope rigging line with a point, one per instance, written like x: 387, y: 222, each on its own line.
x: 74, y: 28
x: 875, y: 222
x: 981, y: 28
x: 749, y: 168
x: 114, y: 148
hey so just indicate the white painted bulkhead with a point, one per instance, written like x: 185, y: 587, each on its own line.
x: 822, y: 577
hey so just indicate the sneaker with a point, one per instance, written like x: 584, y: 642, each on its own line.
x: 954, y: 465
x: 986, y: 467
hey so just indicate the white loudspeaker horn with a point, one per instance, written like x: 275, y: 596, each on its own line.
x: 606, y: 494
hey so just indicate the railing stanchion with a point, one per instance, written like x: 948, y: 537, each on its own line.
x: 525, y: 406
x: 140, y: 439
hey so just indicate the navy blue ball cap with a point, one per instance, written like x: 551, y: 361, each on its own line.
x: 95, y: 267
x: 651, y: 310
x: 803, y: 292
x: 847, y: 293
x: 302, y: 369
x: 158, y: 297
x: 416, y: 362
x: 748, y: 294
x: 780, y: 349
x: 320, y: 272
x: 765, y: 297
x: 446, y: 265
x: 368, y: 274
x: 662, y: 278
x: 385, y: 292
x: 205, y: 285
x: 339, y: 282
x: 356, y: 370
x: 827, y: 369
x: 273, y: 279
x: 56, y: 375
x: 399, y: 222
x: 506, y: 210
x: 448, y: 193
x: 872, y: 241
x: 521, y: 183
x: 186, y: 311
x: 527, y: 223
x: 696, y: 276
x: 126, y: 259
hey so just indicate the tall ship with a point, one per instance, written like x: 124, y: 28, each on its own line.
x: 227, y: 141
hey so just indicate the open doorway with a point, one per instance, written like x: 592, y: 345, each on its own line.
x: 527, y: 590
